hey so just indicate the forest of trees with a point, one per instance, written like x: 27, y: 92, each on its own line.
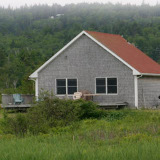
x: 31, y: 35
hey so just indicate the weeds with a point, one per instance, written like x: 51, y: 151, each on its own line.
x: 83, y: 132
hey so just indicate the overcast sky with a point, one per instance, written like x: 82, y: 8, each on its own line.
x: 18, y: 3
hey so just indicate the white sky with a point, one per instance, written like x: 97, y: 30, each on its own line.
x: 18, y: 3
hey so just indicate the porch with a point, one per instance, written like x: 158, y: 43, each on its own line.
x: 8, y: 101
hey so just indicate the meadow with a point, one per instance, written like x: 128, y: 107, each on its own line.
x: 122, y: 135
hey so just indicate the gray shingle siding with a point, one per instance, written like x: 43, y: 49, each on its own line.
x: 148, y: 91
x: 85, y: 60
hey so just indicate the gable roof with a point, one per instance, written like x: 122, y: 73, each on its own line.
x: 128, y: 54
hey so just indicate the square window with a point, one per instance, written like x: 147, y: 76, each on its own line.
x: 66, y: 86
x: 101, y: 81
x: 71, y: 90
x: 101, y: 89
x: 72, y: 82
x: 72, y: 86
x: 112, y: 89
x: 61, y: 86
x: 112, y: 81
x: 100, y: 85
x: 61, y: 90
x: 61, y: 82
x: 112, y: 85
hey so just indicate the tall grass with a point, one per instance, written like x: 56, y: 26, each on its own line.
x: 122, y: 135
x: 65, y: 148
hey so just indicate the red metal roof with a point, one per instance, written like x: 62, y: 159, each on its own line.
x: 128, y: 52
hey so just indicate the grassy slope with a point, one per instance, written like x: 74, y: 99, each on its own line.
x: 134, y: 136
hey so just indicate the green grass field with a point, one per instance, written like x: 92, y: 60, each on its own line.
x: 135, y: 136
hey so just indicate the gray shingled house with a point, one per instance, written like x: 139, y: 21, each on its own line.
x: 107, y: 66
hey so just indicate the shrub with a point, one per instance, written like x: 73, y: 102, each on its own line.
x: 89, y: 109
x: 37, y: 122
x: 54, y: 112
x: 16, y: 125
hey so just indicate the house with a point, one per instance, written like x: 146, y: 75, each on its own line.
x: 104, y: 64
x: 59, y: 15
x: 51, y: 17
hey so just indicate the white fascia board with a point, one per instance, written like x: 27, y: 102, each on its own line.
x: 135, y: 72
x: 150, y: 74
x: 35, y: 74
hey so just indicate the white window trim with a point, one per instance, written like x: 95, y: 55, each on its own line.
x: 96, y: 86
x: 56, y: 86
x: 66, y: 79
x: 106, y: 86
x: 74, y: 86
x: 117, y: 86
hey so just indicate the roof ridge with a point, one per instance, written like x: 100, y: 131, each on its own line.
x: 103, y: 33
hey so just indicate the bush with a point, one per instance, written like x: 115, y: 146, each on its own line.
x: 54, y: 112
x: 16, y: 125
x: 89, y: 109
x: 37, y: 122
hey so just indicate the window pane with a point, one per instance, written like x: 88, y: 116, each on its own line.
x: 61, y: 82
x: 71, y: 90
x: 72, y: 82
x: 101, y: 81
x: 61, y: 90
x: 101, y: 89
x: 112, y: 81
x: 112, y: 89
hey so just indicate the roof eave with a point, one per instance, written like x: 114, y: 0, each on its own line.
x: 34, y: 75
x: 150, y: 74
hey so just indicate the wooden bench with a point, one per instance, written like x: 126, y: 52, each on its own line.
x: 115, y: 105
x: 106, y: 105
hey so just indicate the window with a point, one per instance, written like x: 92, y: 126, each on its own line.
x: 112, y: 85
x: 100, y: 85
x: 66, y: 86
x: 72, y: 86
x: 61, y: 86
x: 106, y: 85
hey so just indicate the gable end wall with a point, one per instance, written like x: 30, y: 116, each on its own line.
x: 86, y: 60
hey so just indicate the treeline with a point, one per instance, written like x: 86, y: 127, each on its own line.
x: 31, y: 35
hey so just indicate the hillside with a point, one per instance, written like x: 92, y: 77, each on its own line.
x: 31, y: 35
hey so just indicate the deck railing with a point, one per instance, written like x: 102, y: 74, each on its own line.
x: 8, y: 101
